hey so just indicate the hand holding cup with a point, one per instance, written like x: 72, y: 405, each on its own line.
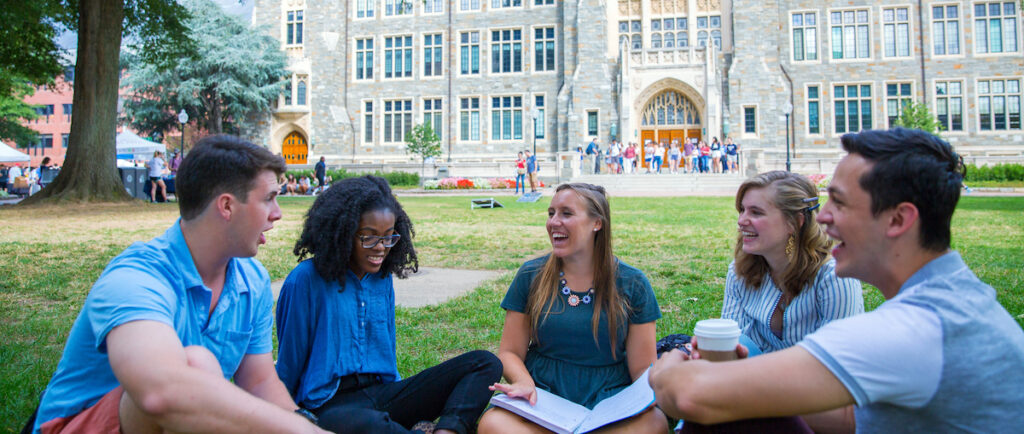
x: 719, y: 339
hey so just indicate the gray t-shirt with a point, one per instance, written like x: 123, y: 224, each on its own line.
x: 941, y: 356
x: 156, y: 167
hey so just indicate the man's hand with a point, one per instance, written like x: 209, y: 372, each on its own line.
x: 741, y: 351
x: 764, y: 386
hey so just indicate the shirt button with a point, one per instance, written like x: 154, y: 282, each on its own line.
x: 362, y: 323
x: 362, y: 303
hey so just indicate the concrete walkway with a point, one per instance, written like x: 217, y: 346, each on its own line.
x: 429, y: 286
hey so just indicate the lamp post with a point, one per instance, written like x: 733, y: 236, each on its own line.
x: 182, y: 119
x: 787, y: 109
x: 535, y: 113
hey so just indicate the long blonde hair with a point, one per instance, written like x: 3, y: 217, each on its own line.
x: 544, y: 288
x: 794, y: 195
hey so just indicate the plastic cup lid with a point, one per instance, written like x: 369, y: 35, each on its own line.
x: 719, y: 328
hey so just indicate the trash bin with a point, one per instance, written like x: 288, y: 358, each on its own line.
x: 134, y: 179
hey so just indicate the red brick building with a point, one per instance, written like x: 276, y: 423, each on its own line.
x: 53, y: 123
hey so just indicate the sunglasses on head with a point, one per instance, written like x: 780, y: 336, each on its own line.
x: 370, y: 241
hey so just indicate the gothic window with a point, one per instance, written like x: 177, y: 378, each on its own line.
x: 300, y: 94
x: 670, y: 108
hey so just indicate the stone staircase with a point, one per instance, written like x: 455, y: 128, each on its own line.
x: 713, y: 184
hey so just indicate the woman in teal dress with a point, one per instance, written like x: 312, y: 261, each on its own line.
x: 579, y: 323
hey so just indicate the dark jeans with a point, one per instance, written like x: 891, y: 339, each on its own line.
x: 520, y: 181
x: 788, y: 425
x: 456, y: 391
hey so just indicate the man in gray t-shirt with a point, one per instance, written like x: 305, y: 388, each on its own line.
x: 940, y: 355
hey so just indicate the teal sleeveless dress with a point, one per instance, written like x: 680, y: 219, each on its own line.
x: 564, y: 359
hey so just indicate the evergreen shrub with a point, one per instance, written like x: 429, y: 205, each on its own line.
x: 396, y: 179
x: 999, y: 172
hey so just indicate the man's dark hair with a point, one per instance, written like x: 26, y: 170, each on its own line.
x: 221, y: 164
x: 911, y: 166
x: 333, y: 220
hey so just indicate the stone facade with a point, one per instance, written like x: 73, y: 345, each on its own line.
x: 638, y: 70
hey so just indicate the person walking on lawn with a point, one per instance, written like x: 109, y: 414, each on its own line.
x: 320, y: 171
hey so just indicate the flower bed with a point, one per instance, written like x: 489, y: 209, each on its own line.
x: 820, y: 180
x: 471, y: 183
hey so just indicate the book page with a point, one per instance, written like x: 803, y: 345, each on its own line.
x: 551, y: 412
x: 625, y: 404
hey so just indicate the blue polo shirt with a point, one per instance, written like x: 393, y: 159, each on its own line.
x: 531, y: 164
x: 158, y: 281
x: 325, y: 332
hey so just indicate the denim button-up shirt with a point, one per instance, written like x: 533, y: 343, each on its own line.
x: 326, y: 332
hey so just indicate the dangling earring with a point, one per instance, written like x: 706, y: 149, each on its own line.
x: 790, y: 246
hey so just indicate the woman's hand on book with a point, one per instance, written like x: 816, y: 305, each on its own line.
x: 517, y: 390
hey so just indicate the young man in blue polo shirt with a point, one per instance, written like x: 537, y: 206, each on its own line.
x: 939, y: 355
x: 171, y: 321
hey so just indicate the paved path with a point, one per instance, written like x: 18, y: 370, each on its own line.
x: 429, y: 285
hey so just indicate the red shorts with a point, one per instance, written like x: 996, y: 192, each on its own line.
x: 102, y: 417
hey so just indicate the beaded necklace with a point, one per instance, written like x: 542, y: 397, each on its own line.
x: 574, y: 299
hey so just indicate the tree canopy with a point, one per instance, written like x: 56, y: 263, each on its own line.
x: 155, y: 28
x: 13, y: 110
x: 422, y: 141
x: 916, y: 115
x: 234, y: 71
x: 31, y: 57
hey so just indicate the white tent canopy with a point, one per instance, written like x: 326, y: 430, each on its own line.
x: 130, y: 143
x: 10, y: 155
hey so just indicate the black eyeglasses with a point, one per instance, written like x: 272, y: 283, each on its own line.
x: 370, y: 241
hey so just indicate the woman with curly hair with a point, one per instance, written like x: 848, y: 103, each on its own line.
x: 336, y: 323
x: 581, y: 344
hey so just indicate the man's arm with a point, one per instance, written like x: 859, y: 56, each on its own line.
x: 150, y: 363
x: 783, y: 383
x: 256, y: 375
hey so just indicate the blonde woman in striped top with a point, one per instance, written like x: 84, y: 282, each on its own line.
x: 782, y: 284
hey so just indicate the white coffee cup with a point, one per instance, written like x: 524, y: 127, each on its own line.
x: 717, y: 338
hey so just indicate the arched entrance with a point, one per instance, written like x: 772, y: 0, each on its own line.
x: 294, y: 149
x: 669, y: 116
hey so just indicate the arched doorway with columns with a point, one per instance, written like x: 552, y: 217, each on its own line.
x: 669, y: 110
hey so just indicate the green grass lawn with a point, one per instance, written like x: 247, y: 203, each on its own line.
x: 50, y: 257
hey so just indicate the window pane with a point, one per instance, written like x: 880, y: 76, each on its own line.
x: 840, y: 117
x: 812, y: 117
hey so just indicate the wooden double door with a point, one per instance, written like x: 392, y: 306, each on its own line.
x: 294, y: 149
x: 665, y: 138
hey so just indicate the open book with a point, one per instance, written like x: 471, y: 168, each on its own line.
x: 566, y: 417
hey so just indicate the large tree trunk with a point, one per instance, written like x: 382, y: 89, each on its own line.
x: 90, y: 171
x: 216, y: 117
